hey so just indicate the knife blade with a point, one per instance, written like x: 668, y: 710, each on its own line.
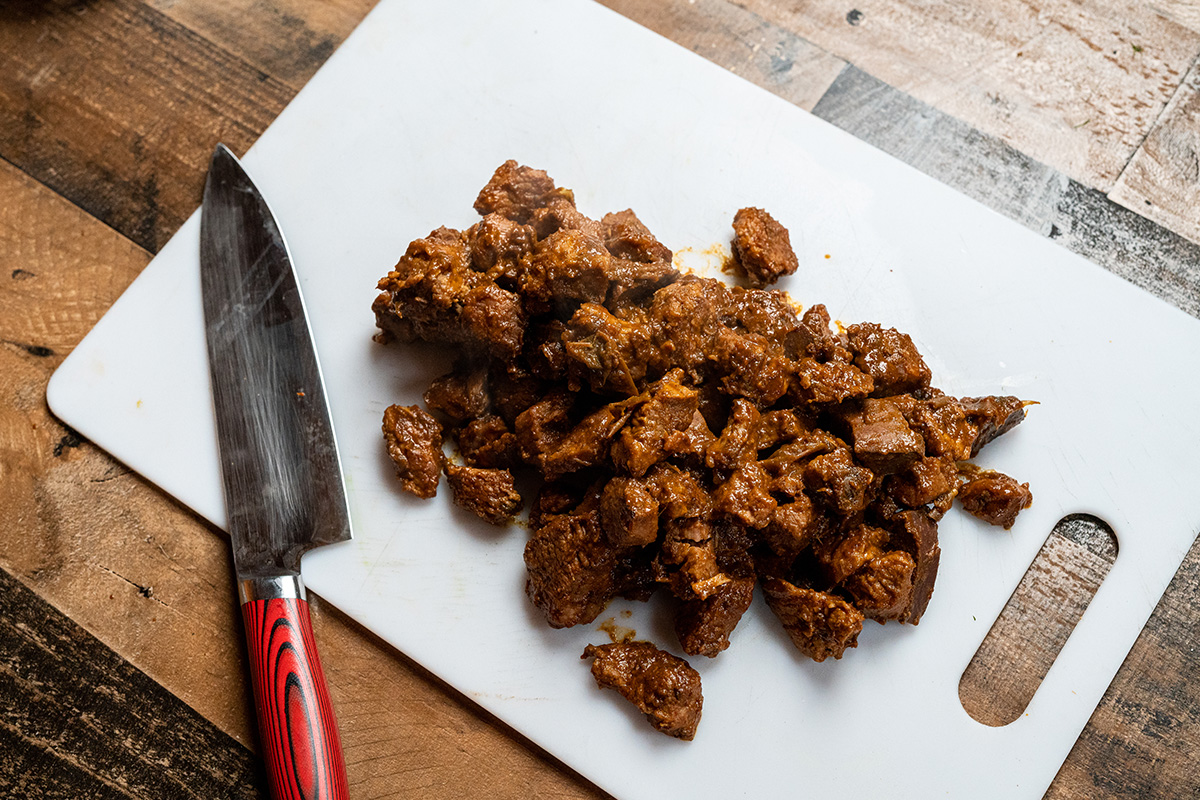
x: 280, y: 471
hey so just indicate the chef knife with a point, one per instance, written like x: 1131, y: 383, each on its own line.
x: 280, y: 470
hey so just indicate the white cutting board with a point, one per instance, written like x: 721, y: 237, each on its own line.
x: 395, y: 136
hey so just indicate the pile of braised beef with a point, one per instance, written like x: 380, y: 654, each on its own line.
x: 688, y: 436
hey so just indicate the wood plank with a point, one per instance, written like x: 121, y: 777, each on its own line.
x: 287, y: 39
x: 1038, y: 196
x: 742, y: 42
x: 151, y: 581
x: 126, y: 139
x: 1183, y: 12
x: 76, y: 720
x: 1074, y: 84
x: 1162, y: 180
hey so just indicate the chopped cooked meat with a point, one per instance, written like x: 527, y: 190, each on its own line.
x: 703, y: 626
x: 488, y: 493
x: 762, y: 247
x: 663, y: 687
x: 820, y: 624
x: 414, y: 442
x: 689, y: 437
x: 995, y: 498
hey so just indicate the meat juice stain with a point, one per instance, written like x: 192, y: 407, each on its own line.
x: 619, y: 634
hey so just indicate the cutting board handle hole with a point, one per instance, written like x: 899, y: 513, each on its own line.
x: 1008, y: 667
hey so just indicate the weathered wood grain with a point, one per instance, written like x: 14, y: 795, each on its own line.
x: 1038, y: 196
x: 1075, y: 84
x: 287, y: 39
x: 1036, y: 621
x: 1183, y: 12
x: 117, y: 107
x: 1162, y: 180
x: 77, y: 720
x: 741, y: 42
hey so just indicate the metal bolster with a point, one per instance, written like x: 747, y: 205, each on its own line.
x: 289, y: 587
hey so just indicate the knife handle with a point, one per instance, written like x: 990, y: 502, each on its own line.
x: 298, y: 732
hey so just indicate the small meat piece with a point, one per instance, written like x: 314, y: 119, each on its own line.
x: 626, y: 237
x: 684, y: 317
x: 816, y: 339
x: 792, y: 526
x: 680, y: 493
x: 664, y: 687
x: 923, y: 482
x: 670, y: 408
x: 414, y: 442
x: 883, y: 588
x: 993, y: 416
x: 776, y: 427
x: 738, y: 443
x: 460, y: 395
x: 587, y: 444
x: 515, y: 192
x: 560, y: 214
x: 542, y: 427
x: 570, y: 564
x: 942, y: 424
x: 836, y: 479
x: 762, y: 247
x: 889, y: 357
x: 771, y: 315
x: 487, y: 442
x: 514, y: 389
x: 817, y: 382
x: 916, y: 533
x: 687, y: 560
x: 490, y: 494
x: 842, y: 557
x: 703, y: 626
x: 819, y: 624
x: 499, y: 246
x: 629, y: 513
x: 692, y: 443
x: 882, y: 439
x: 605, y: 352
x: 995, y: 498
x: 568, y: 267
x: 749, y: 366
x: 746, y: 496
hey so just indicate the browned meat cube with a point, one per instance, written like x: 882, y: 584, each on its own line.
x: 461, y: 395
x: 679, y: 493
x: 749, y: 366
x: 487, y: 442
x: 664, y: 687
x: 746, y: 496
x: 889, y: 357
x: 588, y: 443
x: 816, y: 339
x: 542, y: 427
x: 629, y: 513
x: 792, y: 526
x: 995, y: 498
x: 762, y: 247
x: 819, y: 624
x: 882, y: 439
x: 604, y: 351
x: 836, y: 479
x: 670, y: 407
x: 567, y: 267
x: 414, y: 442
x: 883, y: 588
x: 515, y: 192
x: 817, y: 382
x: 786, y: 465
x: 916, y: 533
x: 738, y: 442
x: 560, y: 214
x: 692, y: 443
x: 570, y: 565
x: 499, y: 246
x: 633, y: 283
x: 842, y: 557
x: 923, y: 482
x: 626, y: 237
x: 687, y: 560
x: 513, y: 389
x: 779, y: 426
x: 684, y: 317
x: 942, y: 424
x: 769, y: 314
x: 703, y: 626
x: 488, y: 493
x: 993, y: 416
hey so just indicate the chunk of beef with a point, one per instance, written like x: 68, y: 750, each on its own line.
x: 513, y: 389
x: 993, y: 416
x: 915, y: 533
x: 822, y: 382
x: 786, y: 465
x: 499, y: 247
x: 738, y: 443
x: 587, y: 444
x: 840, y: 557
x: 836, y: 479
x: 605, y: 352
x: 746, y: 496
x: 889, y: 357
x: 815, y: 338
x: 819, y: 624
x: 663, y: 687
x: 691, y: 443
x: 762, y: 247
x: 792, y: 526
x: 669, y: 408
x: 626, y: 237
x: 570, y: 564
x: 882, y: 439
x: 779, y: 426
x: 771, y: 315
x: 560, y: 214
x: 883, y: 588
x: 749, y: 366
x: 924, y: 482
x: 542, y: 427
x: 629, y: 513
x: 460, y: 395
x: 487, y: 442
x: 515, y: 192
x: 680, y: 493
x: 687, y: 559
x: 942, y: 424
x: 567, y: 268
x: 995, y: 498
x: 703, y: 626
x: 414, y: 443
x: 684, y: 317
x: 490, y: 494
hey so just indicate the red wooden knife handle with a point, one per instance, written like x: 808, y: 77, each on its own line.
x: 299, y: 735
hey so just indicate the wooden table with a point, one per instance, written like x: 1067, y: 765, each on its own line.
x: 121, y: 664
